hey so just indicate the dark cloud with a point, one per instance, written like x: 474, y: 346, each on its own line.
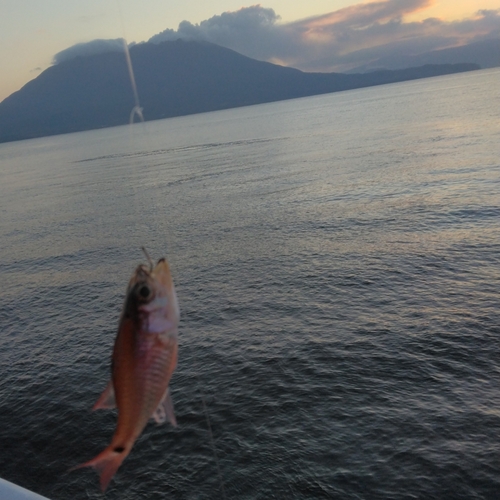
x: 359, y: 35
x: 88, y: 49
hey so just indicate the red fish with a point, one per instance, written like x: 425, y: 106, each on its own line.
x: 144, y: 358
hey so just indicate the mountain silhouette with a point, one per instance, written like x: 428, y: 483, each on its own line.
x: 173, y: 79
x: 486, y: 53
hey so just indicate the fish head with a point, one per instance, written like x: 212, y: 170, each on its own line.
x: 162, y: 275
x: 151, y: 298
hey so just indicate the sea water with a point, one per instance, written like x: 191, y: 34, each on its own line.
x: 337, y: 262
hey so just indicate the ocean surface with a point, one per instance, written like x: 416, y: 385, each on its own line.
x: 337, y: 262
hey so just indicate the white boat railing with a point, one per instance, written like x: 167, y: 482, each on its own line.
x: 10, y: 491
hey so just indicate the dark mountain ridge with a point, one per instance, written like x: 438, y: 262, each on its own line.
x: 486, y: 53
x: 173, y: 79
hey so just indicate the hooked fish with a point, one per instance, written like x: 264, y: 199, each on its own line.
x: 144, y: 358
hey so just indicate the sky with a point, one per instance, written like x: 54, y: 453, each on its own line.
x: 314, y: 35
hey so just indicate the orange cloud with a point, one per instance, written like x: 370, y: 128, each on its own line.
x: 363, y: 36
x: 359, y: 17
x: 363, y: 13
x: 453, y: 10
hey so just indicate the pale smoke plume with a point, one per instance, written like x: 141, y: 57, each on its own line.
x: 251, y: 30
x: 340, y: 40
x: 360, y: 36
x: 89, y: 48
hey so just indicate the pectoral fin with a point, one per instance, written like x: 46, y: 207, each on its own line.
x: 107, y: 399
x: 165, y: 410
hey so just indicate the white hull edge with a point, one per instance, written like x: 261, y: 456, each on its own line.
x: 10, y: 491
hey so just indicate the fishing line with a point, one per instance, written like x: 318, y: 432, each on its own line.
x: 146, y: 146
x: 212, y: 441
x: 137, y: 110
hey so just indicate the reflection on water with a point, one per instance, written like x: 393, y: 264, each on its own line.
x: 337, y: 264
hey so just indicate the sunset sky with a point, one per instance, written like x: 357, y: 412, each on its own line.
x: 319, y: 35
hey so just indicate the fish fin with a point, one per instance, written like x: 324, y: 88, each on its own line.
x: 106, y: 464
x: 165, y: 410
x: 106, y: 400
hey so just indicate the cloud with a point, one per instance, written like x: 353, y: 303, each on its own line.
x: 87, y: 49
x: 357, y: 36
x: 252, y: 31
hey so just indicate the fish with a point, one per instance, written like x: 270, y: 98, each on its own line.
x: 143, y: 361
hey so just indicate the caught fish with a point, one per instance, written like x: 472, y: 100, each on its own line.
x: 144, y: 358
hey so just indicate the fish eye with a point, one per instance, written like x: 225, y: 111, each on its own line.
x: 144, y: 291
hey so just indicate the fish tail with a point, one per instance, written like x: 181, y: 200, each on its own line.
x: 106, y: 463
